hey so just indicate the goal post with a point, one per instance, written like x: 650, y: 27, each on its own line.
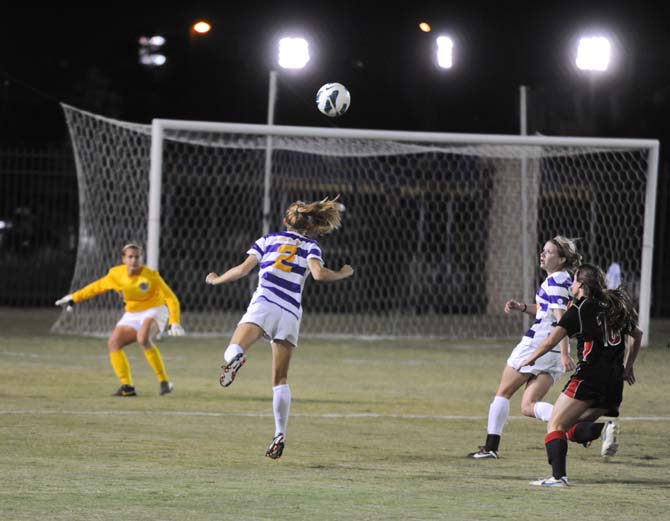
x: 435, y: 225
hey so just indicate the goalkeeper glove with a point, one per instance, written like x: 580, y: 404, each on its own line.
x: 66, y: 302
x: 176, y: 330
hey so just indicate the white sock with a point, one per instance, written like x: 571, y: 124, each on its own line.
x: 281, y: 403
x: 232, y: 351
x: 542, y: 411
x: 498, y: 414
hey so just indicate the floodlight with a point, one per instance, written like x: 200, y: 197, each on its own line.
x: 293, y: 53
x: 445, y: 52
x: 154, y: 41
x: 201, y: 27
x: 593, y: 53
x: 149, y: 54
x: 153, y: 60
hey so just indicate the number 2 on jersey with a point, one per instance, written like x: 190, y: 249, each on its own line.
x: 287, y: 255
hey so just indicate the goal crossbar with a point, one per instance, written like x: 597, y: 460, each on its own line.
x: 159, y: 126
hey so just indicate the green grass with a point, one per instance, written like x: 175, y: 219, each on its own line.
x: 378, y: 430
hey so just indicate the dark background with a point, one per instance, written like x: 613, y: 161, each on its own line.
x: 88, y: 57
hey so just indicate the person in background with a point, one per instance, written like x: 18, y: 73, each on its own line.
x: 613, y: 276
x: 149, y: 305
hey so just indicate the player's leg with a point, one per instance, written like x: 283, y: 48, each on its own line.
x: 145, y: 338
x: 536, y: 389
x: 282, y: 351
x: 243, y: 338
x: 121, y: 336
x: 510, y: 381
x: 566, y: 412
x: 585, y: 429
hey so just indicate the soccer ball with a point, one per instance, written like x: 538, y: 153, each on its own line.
x: 333, y: 99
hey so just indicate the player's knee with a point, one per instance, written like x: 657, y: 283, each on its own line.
x: 144, y: 341
x: 528, y: 409
x: 279, y: 374
x: 555, y: 426
x: 505, y: 392
x: 279, y: 379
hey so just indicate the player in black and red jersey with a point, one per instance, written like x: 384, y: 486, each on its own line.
x: 601, y: 319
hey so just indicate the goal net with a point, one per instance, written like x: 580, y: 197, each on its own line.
x: 441, y: 229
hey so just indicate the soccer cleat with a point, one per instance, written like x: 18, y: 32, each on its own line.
x: 551, y: 482
x: 483, y: 453
x: 230, y: 370
x: 610, y: 434
x: 166, y: 387
x: 125, y: 390
x: 276, y: 447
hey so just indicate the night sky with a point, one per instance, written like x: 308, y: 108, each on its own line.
x: 88, y: 58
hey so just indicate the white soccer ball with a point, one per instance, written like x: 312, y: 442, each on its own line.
x: 333, y: 99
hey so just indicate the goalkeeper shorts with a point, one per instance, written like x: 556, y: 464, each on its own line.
x: 135, y: 320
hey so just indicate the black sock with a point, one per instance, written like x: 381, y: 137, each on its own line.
x: 556, y: 444
x: 492, y: 442
x: 584, y: 432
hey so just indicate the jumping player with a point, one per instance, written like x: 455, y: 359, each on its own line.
x: 286, y: 259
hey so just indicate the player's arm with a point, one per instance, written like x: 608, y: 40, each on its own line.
x: 235, y: 273
x: 557, y: 334
x: 323, y: 274
x: 91, y: 290
x: 564, y: 345
x: 513, y: 305
x: 633, y: 350
x: 171, y: 300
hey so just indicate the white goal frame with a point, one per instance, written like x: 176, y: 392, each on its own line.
x: 159, y: 126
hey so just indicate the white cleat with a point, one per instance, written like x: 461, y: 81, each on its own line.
x: 551, y: 482
x: 276, y: 448
x: 609, y: 436
x: 230, y: 370
x: 483, y: 453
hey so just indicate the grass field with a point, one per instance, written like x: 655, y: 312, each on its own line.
x: 378, y: 430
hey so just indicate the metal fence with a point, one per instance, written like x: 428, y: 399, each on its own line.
x: 38, y: 224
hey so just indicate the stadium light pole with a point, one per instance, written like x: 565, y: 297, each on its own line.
x: 267, y: 177
x: 525, y: 250
x: 293, y: 53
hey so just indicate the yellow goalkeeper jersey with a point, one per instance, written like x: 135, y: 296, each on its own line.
x: 140, y: 292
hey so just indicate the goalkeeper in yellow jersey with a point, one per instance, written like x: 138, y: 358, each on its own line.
x: 149, y: 303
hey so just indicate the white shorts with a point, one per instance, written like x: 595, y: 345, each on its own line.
x: 160, y: 315
x: 276, y: 323
x: 548, y: 363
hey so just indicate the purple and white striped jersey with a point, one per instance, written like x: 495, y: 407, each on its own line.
x: 282, y: 258
x: 553, y: 293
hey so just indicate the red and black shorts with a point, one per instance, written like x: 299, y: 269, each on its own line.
x: 601, y: 386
